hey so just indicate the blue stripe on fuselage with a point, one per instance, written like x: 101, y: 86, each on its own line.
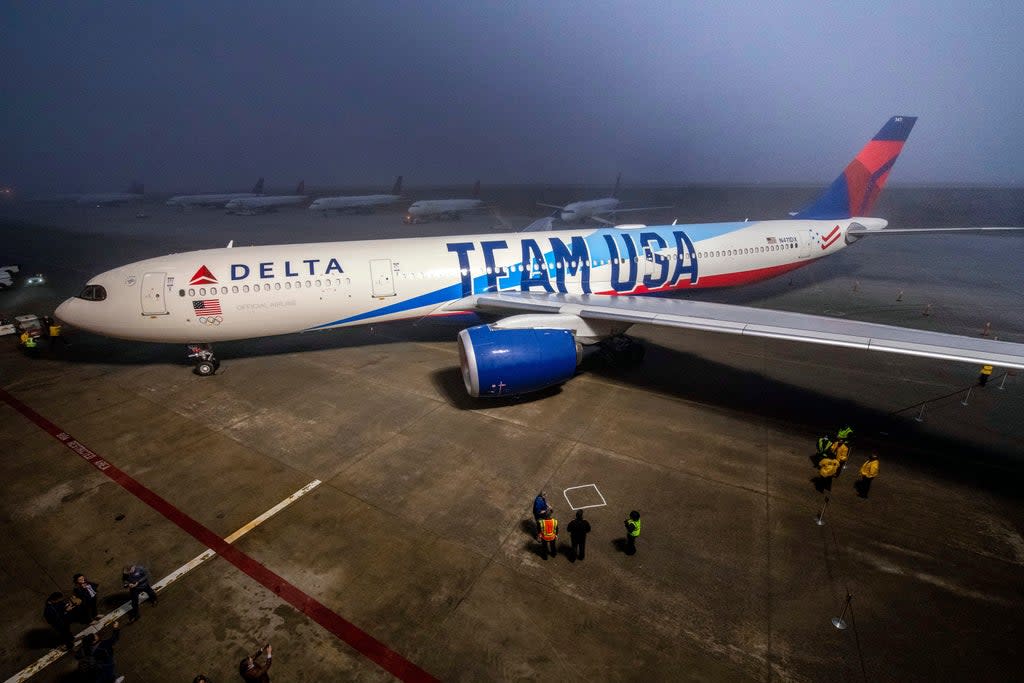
x: 534, y: 246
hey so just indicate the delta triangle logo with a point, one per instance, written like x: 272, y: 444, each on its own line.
x: 203, y: 276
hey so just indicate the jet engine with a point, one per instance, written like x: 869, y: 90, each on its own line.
x: 502, y: 362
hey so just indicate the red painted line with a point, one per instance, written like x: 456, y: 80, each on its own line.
x: 362, y: 642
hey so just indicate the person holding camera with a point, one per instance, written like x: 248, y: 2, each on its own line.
x: 136, y: 580
x: 251, y: 670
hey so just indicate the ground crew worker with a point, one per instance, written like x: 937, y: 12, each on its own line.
x: 986, y: 373
x: 827, y: 469
x: 824, y: 444
x: 632, y: 532
x: 845, y: 433
x: 54, y: 329
x: 541, y: 508
x: 547, y: 534
x: 28, y: 342
x: 841, y: 452
x: 868, y: 472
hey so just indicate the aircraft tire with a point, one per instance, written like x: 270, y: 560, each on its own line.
x: 205, y: 368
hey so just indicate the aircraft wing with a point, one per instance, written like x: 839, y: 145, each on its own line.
x: 639, y: 208
x: 550, y: 206
x: 757, y: 322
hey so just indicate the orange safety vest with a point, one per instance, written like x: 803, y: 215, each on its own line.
x: 548, y: 529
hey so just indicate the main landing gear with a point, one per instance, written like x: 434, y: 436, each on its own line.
x: 202, y: 355
x: 621, y: 351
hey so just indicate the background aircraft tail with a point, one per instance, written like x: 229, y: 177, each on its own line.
x: 258, y: 187
x: 615, y: 190
x: 397, y: 189
x: 301, y: 189
x: 856, y: 190
x: 137, y: 188
x: 476, y: 190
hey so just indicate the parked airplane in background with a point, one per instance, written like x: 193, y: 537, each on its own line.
x: 358, y: 203
x: 596, y: 209
x: 444, y: 209
x: 562, y: 291
x: 134, y: 193
x: 185, y: 201
x: 248, y: 206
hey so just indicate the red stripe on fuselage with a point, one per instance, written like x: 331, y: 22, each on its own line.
x: 721, y: 280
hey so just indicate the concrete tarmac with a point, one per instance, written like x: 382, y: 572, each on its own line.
x: 421, y: 532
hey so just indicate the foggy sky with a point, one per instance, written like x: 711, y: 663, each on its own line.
x: 208, y: 96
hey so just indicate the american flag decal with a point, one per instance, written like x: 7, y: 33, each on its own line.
x: 207, y: 307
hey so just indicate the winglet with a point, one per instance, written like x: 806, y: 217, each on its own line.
x: 397, y: 189
x: 856, y: 190
x: 615, y: 190
x: 301, y: 189
x: 258, y: 187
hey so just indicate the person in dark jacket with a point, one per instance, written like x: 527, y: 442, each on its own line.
x: 251, y: 670
x: 96, y: 657
x: 578, y: 530
x: 88, y: 593
x: 58, y: 614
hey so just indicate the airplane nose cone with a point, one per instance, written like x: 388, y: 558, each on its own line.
x: 65, y: 312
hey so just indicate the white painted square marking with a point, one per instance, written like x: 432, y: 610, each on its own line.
x: 586, y: 496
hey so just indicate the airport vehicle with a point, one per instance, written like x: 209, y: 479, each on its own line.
x: 358, y: 203
x: 185, y: 201
x: 443, y: 209
x: 247, y: 206
x: 35, y: 280
x: 562, y: 291
x: 134, y: 193
x: 596, y: 209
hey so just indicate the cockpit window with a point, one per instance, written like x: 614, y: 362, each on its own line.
x: 93, y: 293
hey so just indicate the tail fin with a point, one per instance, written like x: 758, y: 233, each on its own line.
x: 856, y: 190
x: 258, y: 187
x: 615, y: 190
x: 397, y: 189
x: 476, y: 190
x: 301, y: 189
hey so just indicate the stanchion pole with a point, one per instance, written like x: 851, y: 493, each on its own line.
x: 969, y: 390
x: 820, y: 519
x: 840, y: 621
x: 1003, y: 383
x: 920, y: 415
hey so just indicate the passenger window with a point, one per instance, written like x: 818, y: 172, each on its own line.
x: 202, y: 291
x: 287, y: 285
x: 181, y: 292
x: 277, y: 285
x: 245, y: 288
x: 191, y: 291
x: 234, y: 289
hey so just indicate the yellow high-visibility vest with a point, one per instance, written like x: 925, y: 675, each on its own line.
x: 636, y: 527
x: 548, y: 529
x: 869, y: 470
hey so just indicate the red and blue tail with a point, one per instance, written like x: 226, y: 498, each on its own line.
x: 856, y: 190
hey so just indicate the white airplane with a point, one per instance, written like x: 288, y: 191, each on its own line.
x: 561, y: 291
x: 596, y: 209
x: 247, y: 206
x: 135, y: 192
x: 444, y: 209
x: 185, y: 201
x: 358, y: 203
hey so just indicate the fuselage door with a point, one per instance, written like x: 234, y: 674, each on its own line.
x: 803, y: 237
x: 382, y: 277
x: 153, y: 294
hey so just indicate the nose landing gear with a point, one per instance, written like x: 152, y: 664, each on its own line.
x: 205, y: 362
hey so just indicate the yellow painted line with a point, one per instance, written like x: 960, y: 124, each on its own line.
x: 109, y: 618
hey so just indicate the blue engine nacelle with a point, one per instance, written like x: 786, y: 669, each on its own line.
x: 500, y: 362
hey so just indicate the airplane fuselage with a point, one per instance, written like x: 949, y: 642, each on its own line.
x: 353, y: 202
x: 259, y: 204
x: 208, y: 199
x: 578, y: 211
x: 448, y: 208
x: 242, y: 292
